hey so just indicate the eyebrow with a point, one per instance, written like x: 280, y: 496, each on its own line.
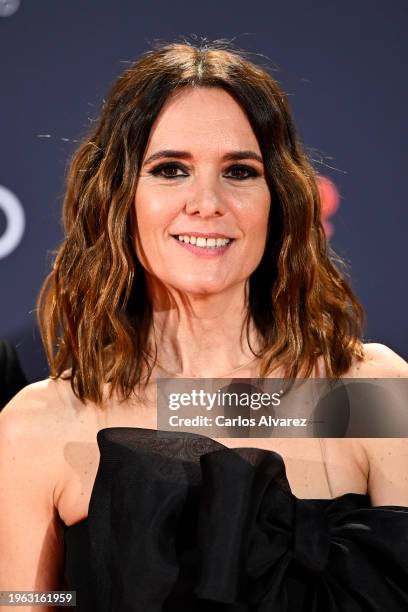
x: 230, y: 156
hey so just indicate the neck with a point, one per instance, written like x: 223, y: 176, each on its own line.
x: 202, y: 336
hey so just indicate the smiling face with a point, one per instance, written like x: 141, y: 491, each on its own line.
x: 202, y: 201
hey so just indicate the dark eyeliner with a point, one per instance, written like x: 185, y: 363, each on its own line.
x: 156, y: 171
x: 251, y: 172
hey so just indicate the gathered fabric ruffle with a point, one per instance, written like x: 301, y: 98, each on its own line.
x: 177, y: 521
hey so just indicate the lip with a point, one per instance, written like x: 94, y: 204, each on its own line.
x: 203, y: 235
x: 205, y: 251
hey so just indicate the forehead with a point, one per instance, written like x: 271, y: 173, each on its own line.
x: 202, y: 117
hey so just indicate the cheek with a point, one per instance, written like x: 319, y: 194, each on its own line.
x: 146, y: 217
x: 144, y: 207
x: 153, y: 210
x: 143, y: 227
x: 153, y: 215
x: 256, y: 224
x: 256, y: 217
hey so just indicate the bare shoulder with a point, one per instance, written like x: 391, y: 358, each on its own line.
x: 33, y: 429
x: 36, y: 423
x: 42, y: 408
x: 387, y: 458
x: 380, y: 361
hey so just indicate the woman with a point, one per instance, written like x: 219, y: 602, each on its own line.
x: 194, y: 248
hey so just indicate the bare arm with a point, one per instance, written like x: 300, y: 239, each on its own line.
x: 387, y: 457
x: 30, y: 533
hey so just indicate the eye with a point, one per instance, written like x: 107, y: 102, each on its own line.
x: 243, y: 172
x: 167, y: 170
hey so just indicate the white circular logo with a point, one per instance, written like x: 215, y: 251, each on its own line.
x: 9, y: 7
x: 15, y: 222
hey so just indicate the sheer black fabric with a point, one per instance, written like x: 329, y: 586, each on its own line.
x: 179, y: 522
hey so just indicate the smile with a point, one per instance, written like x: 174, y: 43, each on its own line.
x: 204, y: 246
x: 201, y: 241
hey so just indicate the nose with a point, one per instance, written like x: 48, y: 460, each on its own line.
x: 206, y: 199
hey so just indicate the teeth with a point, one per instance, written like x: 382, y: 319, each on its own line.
x: 199, y: 241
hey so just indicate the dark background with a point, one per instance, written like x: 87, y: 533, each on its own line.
x: 343, y: 65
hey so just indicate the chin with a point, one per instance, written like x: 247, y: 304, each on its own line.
x: 200, y: 288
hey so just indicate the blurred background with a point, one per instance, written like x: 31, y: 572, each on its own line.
x: 343, y: 65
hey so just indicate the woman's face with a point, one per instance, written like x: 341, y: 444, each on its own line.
x: 202, y: 201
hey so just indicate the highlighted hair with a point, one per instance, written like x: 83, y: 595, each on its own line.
x: 94, y: 310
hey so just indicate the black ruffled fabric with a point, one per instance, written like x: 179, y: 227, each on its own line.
x: 179, y: 522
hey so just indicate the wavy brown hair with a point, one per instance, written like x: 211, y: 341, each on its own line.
x: 94, y: 309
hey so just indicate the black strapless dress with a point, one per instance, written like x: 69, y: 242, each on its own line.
x: 178, y: 522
